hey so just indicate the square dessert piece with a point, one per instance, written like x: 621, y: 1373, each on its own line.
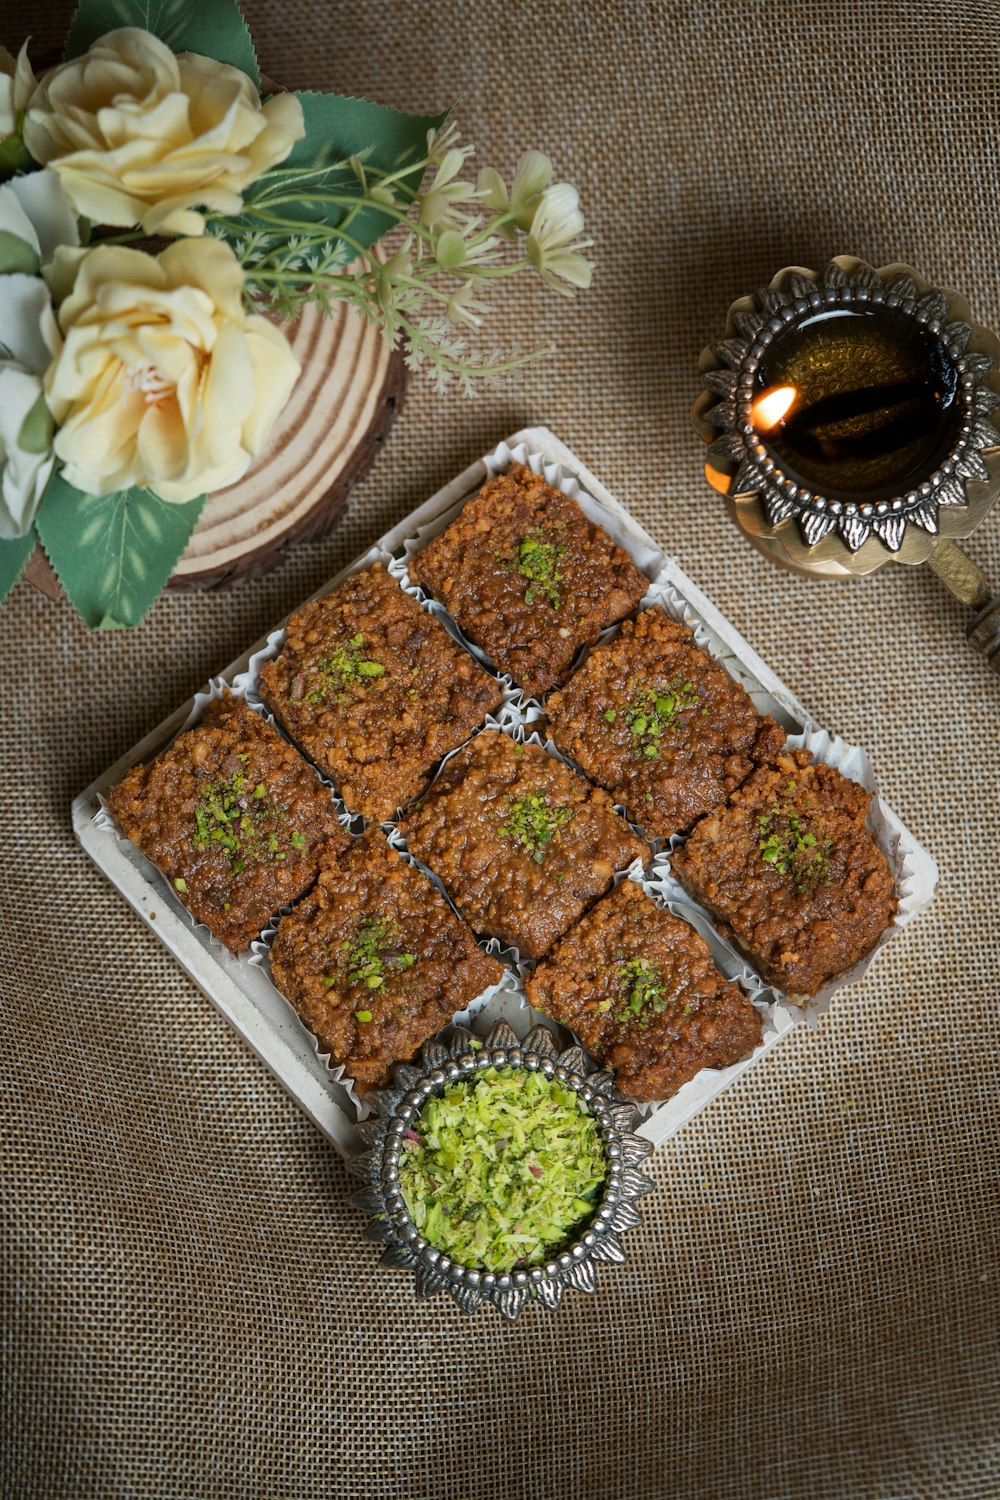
x: 375, y: 961
x: 641, y: 991
x: 234, y: 817
x: 659, y: 723
x: 522, y: 843
x: 790, y: 872
x: 375, y: 691
x: 528, y: 578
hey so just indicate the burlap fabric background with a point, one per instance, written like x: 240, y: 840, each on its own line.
x: 812, y: 1307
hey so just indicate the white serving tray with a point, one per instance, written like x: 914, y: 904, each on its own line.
x: 241, y: 989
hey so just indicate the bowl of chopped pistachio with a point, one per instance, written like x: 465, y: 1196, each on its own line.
x: 501, y: 1171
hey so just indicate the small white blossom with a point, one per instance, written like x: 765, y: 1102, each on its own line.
x: 531, y: 177
x: 463, y: 307
x: 440, y: 142
x: 552, y: 246
x: 492, y: 190
x: 448, y: 201
x: 17, y: 84
x: 453, y: 252
x: 397, y: 271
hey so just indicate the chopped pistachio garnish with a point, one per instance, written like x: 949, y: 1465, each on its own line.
x: 371, y: 955
x: 653, y: 711
x: 537, y: 560
x: 639, y: 992
x: 787, y: 843
x: 180, y: 884
x: 503, y: 1170
x: 248, y: 826
x: 346, y: 665
x: 532, y: 823
x: 362, y: 1015
x: 643, y: 986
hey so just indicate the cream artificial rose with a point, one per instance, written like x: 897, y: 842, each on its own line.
x: 164, y: 380
x: 139, y: 135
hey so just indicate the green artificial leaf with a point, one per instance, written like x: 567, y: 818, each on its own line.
x: 13, y: 157
x: 113, y: 553
x: 13, y: 556
x: 318, y: 167
x: 17, y: 255
x: 37, y: 429
x: 214, y: 28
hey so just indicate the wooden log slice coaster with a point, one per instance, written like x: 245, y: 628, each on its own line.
x: 351, y: 386
x: 326, y: 438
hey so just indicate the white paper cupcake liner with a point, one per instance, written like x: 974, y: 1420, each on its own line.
x: 504, y: 990
x: 241, y: 986
x: 914, y: 874
x: 725, y: 959
x: 617, y: 522
x: 248, y: 682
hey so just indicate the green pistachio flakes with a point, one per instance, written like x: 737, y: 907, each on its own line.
x: 503, y: 1170
x: 346, y: 665
x: 532, y: 823
x: 373, y: 953
x: 787, y: 843
x: 240, y: 818
x: 653, y: 711
x: 639, y: 992
x: 537, y: 560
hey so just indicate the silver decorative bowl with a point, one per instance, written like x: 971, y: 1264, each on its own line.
x: 397, y: 1107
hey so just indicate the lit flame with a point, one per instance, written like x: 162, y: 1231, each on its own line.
x: 769, y: 409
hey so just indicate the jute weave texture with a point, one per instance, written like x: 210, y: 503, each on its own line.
x: 811, y: 1309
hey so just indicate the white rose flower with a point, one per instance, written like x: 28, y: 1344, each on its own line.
x: 140, y: 136
x: 30, y: 338
x: 35, y: 210
x: 164, y: 379
x: 17, y: 84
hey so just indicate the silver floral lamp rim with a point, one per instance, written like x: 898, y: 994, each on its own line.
x: 804, y: 530
x: 463, y: 1055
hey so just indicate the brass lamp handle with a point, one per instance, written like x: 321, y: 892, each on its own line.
x: 967, y: 582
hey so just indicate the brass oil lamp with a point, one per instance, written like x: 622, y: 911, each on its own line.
x: 848, y: 414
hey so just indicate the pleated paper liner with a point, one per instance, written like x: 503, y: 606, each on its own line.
x: 241, y: 986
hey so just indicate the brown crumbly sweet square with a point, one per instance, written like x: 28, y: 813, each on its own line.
x: 375, y: 961
x: 640, y: 989
x: 375, y: 691
x: 790, y: 872
x: 661, y: 724
x: 521, y: 842
x: 234, y: 817
x: 528, y: 578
